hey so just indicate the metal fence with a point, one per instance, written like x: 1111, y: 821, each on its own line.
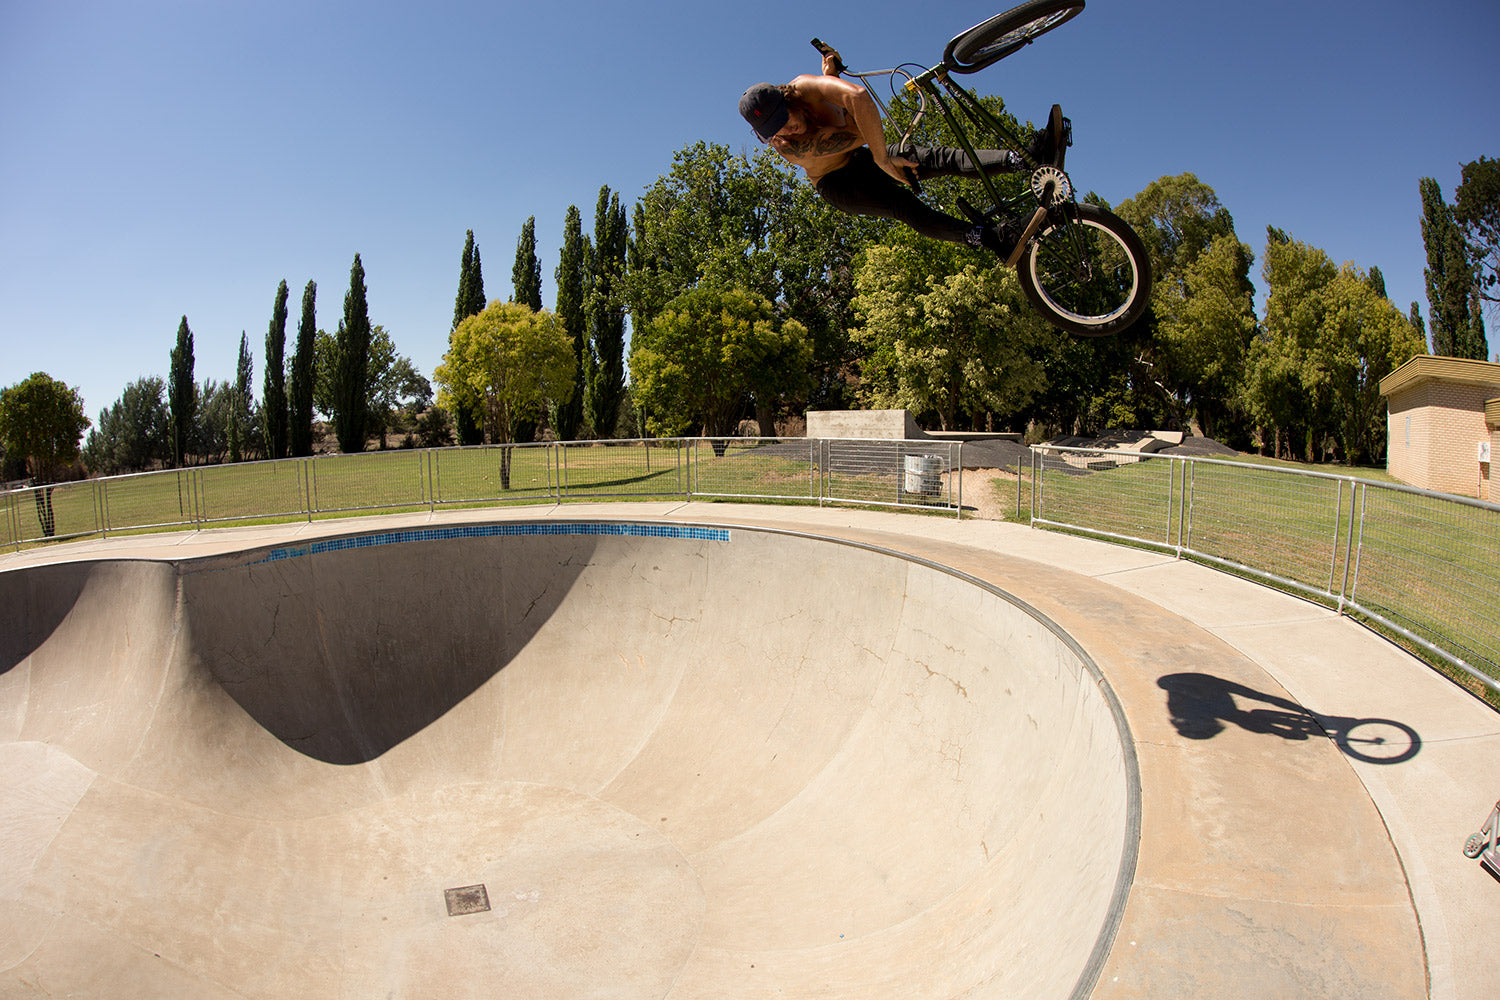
x: 906, y: 474
x: 1422, y: 564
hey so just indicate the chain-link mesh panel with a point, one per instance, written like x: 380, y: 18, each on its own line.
x: 251, y: 490
x: 890, y: 473
x: 1292, y: 527
x: 493, y: 474
x: 624, y: 468
x: 149, y: 500
x: 755, y: 468
x: 368, y: 481
x: 1121, y: 495
x: 1431, y: 565
x: 55, y: 512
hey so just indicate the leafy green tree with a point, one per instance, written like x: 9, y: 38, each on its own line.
x: 1361, y: 338
x: 325, y: 386
x: 273, y: 390
x: 1195, y: 350
x: 42, y: 424
x: 567, y: 418
x: 134, y: 433
x: 958, y: 345
x: 352, y: 374
x: 1277, y: 390
x: 1205, y: 324
x: 506, y: 362
x: 1177, y: 218
x: 468, y: 302
x: 729, y: 221
x: 1476, y: 207
x: 182, y: 397
x: 211, y: 430
x: 704, y: 357
x: 397, y: 389
x: 526, y: 274
x: 1451, y: 279
x: 604, y: 357
x: 303, y: 377
x: 695, y: 224
x: 1328, y: 340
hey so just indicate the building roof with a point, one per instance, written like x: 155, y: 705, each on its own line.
x: 1425, y: 367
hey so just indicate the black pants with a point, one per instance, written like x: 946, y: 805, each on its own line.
x: 859, y: 187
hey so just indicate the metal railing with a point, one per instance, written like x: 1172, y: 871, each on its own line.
x: 905, y: 474
x: 1424, y: 565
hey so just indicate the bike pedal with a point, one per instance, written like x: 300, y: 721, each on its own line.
x: 1067, y: 131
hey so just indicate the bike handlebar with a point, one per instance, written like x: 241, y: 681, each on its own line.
x: 827, y: 50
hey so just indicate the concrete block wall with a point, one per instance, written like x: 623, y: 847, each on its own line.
x: 1434, y: 429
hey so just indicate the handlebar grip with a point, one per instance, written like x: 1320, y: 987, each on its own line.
x: 911, y: 178
x: 825, y: 49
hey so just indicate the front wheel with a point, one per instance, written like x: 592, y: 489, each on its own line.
x: 990, y: 41
x: 1087, y: 272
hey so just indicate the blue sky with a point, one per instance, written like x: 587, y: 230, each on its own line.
x: 169, y: 157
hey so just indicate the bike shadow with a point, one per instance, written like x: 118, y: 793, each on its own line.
x: 1201, y: 705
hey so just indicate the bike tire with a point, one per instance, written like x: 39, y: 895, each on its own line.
x: 990, y: 41
x: 1087, y: 272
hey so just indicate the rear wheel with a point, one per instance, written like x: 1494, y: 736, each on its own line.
x: 993, y: 40
x: 1087, y: 272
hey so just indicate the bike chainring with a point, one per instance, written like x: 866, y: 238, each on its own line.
x: 1051, y: 187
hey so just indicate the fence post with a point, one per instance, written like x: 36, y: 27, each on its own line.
x: 1358, y: 501
x: 1332, y: 556
x: 960, y: 470
x: 1190, y: 480
x: 312, y: 486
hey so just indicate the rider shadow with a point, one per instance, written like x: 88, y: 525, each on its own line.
x: 1201, y: 704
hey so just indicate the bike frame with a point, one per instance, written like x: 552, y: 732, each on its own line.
x: 931, y: 83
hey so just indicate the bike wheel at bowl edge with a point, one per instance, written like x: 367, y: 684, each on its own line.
x: 994, y: 39
x: 1087, y: 272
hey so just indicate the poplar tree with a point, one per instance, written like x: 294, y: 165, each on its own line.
x: 604, y: 388
x: 526, y: 276
x: 273, y: 388
x: 303, y: 377
x: 527, y: 273
x: 239, y: 414
x: 1451, y: 281
x: 182, y: 394
x: 570, y: 275
x: 352, y: 354
x: 468, y: 302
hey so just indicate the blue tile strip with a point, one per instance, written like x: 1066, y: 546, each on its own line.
x: 495, y: 530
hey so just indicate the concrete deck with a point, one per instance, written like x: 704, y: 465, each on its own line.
x: 179, y: 818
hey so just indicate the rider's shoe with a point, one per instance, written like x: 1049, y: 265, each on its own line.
x: 1049, y: 142
x: 999, y: 237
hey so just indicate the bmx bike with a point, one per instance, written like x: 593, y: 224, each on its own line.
x: 1082, y: 268
x: 1485, y: 845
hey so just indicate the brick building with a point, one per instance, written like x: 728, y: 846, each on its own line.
x: 1444, y: 424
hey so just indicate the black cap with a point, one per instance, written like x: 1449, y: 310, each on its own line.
x: 764, y: 108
